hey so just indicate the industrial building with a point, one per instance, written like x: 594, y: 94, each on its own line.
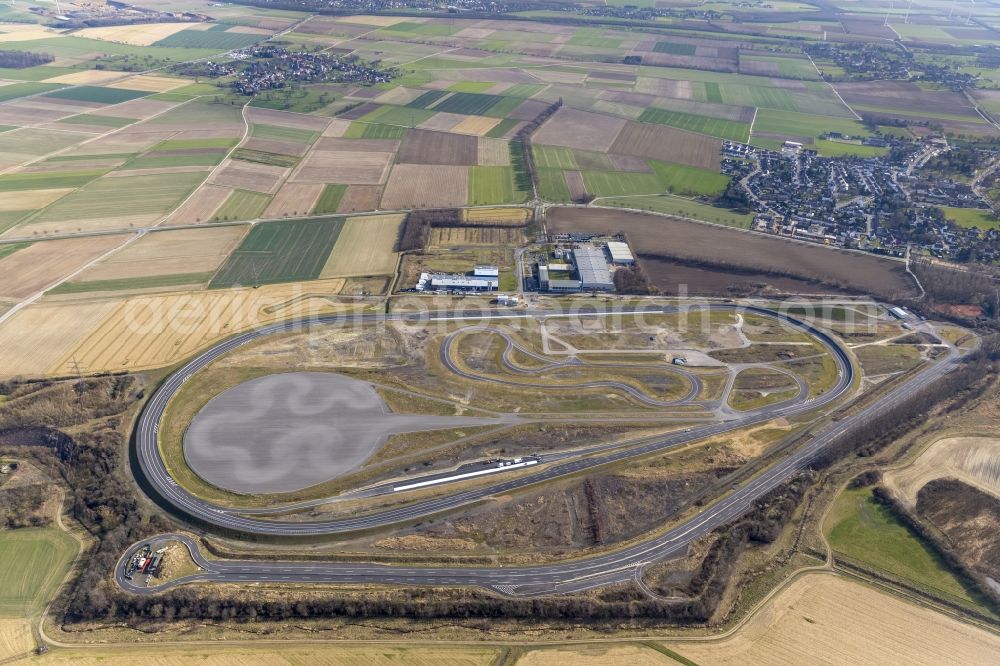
x: 456, y: 282
x: 620, y: 253
x: 592, y: 268
x: 581, y: 268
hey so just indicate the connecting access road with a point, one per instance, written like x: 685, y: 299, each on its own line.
x: 563, y: 577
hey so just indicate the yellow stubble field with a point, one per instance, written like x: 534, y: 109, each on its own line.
x: 824, y: 619
x: 365, y: 247
x: 169, y: 252
x: 155, y: 330
x: 61, y: 336
x: 137, y: 35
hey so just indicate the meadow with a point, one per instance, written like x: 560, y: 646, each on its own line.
x: 867, y: 532
x: 35, y: 562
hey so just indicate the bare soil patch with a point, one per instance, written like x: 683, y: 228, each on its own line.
x: 39, y: 265
x: 579, y: 129
x: 336, y: 144
x: 249, y: 176
x: 200, y: 207
x: 360, y: 198
x: 906, y: 96
x: 442, y: 122
x: 276, y: 146
x: 669, y: 144
x: 169, y: 252
x: 425, y: 186
x: 286, y: 119
x: 345, y: 167
x: 425, y: 147
x: 294, y: 199
x: 493, y: 152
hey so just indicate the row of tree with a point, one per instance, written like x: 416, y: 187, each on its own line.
x: 22, y: 59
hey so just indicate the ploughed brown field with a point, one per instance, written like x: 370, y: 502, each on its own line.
x: 427, y: 147
x: 716, y: 259
x: 667, y: 143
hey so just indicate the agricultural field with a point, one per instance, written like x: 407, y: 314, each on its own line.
x: 973, y: 460
x: 364, y: 247
x: 165, y: 253
x: 286, y: 251
x: 843, y: 621
x: 116, y: 203
x: 41, y: 264
x: 242, y: 205
x: 35, y: 562
x: 866, y: 532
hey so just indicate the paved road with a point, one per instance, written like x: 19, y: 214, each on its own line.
x: 562, y: 577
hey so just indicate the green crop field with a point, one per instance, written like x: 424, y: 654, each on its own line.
x: 968, y: 218
x: 242, y: 205
x: 493, y: 185
x: 828, y: 148
x: 94, y: 119
x: 207, y: 39
x: 358, y: 130
x: 109, y: 197
x: 595, y: 38
x: 121, y: 284
x: 523, y: 90
x: 295, y: 134
x: 619, y: 183
x: 281, y: 251
x: 867, y: 532
x: 15, y: 90
x: 263, y: 157
x: 675, y: 49
x: 156, y: 160
x: 793, y: 68
x: 554, y: 157
x: 724, y: 129
x: 398, y: 115
x: 552, y: 186
x: 35, y: 561
x: 97, y: 94
x: 11, y: 248
x: 426, y: 99
x: 11, y: 218
x: 501, y: 129
x: 471, y: 86
x: 48, y: 181
x: 190, y: 144
x: 425, y: 29
x: 713, y: 93
x: 682, y: 207
x: 787, y: 123
x: 683, y: 179
x: 37, y: 142
x: 329, y: 200
x: 470, y: 104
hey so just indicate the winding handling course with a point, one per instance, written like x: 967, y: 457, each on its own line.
x: 570, y: 576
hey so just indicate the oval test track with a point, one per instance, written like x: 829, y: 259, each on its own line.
x: 568, y: 576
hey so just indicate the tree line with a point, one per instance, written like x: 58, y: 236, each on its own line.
x: 22, y: 59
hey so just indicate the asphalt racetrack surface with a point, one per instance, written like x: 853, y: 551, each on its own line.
x: 289, y: 431
x: 618, y: 566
